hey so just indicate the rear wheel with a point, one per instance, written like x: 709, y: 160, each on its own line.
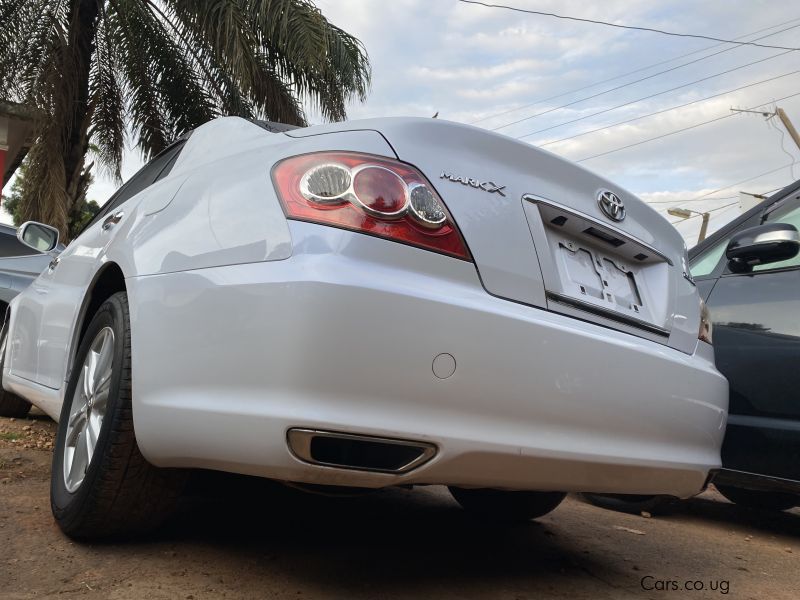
x: 101, y: 485
x: 501, y: 505
x: 11, y: 405
x: 758, y: 499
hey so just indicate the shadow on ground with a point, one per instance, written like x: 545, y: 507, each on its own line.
x: 711, y: 507
x: 394, y: 538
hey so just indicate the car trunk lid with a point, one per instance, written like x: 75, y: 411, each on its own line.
x: 539, y: 235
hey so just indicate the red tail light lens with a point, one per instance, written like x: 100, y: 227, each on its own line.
x: 369, y: 194
x: 380, y: 192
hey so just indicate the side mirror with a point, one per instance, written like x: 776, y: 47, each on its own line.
x: 38, y: 236
x: 762, y: 245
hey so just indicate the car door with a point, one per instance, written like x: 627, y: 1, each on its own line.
x: 60, y: 290
x: 23, y: 348
x: 757, y: 347
x: 19, y: 265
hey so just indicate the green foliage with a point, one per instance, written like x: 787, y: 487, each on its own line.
x: 82, y: 216
x: 98, y: 70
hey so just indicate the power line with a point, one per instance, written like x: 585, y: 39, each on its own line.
x: 696, y: 198
x: 679, y: 201
x: 675, y: 202
x: 791, y: 156
x: 773, y: 190
x: 648, y: 97
x: 658, y: 137
x: 579, y: 100
x: 645, y: 68
x: 672, y: 201
x: 705, y: 196
x: 632, y: 27
x: 658, y: 112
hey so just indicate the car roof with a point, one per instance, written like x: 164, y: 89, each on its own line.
x: 733, y: 225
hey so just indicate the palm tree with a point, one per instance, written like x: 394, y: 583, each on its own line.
x: 98, y: 70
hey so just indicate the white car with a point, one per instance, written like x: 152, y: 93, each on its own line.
x: 368, y: 304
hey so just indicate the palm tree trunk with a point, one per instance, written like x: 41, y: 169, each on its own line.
x: 84, y: 16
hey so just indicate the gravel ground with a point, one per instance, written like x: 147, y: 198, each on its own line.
x: 236, y: 537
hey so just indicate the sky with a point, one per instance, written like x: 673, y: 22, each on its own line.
x: 547, y: 79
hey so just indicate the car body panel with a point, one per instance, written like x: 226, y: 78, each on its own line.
x: 307, y: 331
x: 60, y: 294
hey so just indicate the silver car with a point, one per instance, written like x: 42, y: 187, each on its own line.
x: 367, y: 304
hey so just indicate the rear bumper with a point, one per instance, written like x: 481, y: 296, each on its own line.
x: 343, y: 336
x: 755, y: 481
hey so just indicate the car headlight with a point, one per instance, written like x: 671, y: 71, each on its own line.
x: 706, y: 327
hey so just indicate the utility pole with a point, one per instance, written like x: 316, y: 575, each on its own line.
x: 789, y: 127
x: 781, y: 114
x: 686, y: 213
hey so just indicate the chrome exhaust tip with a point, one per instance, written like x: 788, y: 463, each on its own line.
x: 358, y: 452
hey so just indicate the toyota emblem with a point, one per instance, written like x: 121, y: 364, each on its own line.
x: 611, y: 205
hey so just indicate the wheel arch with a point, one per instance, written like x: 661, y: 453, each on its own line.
x: 109, y: 280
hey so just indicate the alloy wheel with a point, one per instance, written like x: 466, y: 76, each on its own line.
x: 88, y: 408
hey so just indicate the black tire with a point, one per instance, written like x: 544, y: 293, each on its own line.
x: 11, y: 405
x: 501, y: 505
x: 121, y: 493
x: 758, y: 499
x: 632, y: 504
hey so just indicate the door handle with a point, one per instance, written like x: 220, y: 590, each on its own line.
x: 112, y: 220
x: 53, y: 263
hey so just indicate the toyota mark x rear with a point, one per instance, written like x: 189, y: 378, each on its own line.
x: 408, y: 301
x: 450, y: 306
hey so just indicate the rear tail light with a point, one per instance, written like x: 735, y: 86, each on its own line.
x: 370, y: 194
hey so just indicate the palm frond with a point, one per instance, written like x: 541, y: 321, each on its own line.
x: 306, y: 55
x: 107, y: 104
x: 143, y: 98
x: 99, y: 70
x: 31, y: 51
x: 326, y: 66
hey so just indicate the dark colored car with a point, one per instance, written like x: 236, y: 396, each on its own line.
x: 748, y: 273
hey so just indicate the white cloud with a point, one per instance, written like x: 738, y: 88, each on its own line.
x: 477, y: 72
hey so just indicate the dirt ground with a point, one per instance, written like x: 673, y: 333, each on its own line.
x: 237, y: 537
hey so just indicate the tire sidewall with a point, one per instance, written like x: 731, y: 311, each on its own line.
x: 66, y: 504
